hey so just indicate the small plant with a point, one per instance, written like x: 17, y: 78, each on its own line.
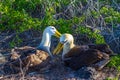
x: 15, y: 42
x: 110, y: 15
x: 115, y: 62
x: 99, y: 39
x: 16, y: 20
x: 117, y: 78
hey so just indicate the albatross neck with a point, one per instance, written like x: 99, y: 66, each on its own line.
x: 67, y: 48
x: 45, y: 42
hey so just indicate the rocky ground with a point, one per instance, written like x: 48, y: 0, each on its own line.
x: 58, y: 71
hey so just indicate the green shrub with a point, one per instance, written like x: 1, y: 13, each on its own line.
x: 99, y: 39
x: 110, y: 15
x: 14, y: 15
x: 115, y: 62
x: 27, y: 5
x: 15, y: 42
x: 16, y: 20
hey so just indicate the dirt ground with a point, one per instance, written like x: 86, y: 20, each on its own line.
x: 58, y: 71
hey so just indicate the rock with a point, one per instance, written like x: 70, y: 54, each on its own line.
x: 2, y: 59
x: 87, y: 73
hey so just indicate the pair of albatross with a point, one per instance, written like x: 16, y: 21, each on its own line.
x: 73, y: 56
x: 76, y: 57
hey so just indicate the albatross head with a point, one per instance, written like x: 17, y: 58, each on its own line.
x: 52, y: 31
x: 46, y: 39
x: 66, y: 42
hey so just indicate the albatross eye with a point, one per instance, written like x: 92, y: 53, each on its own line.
x: 53, y: 28
x: 64, y: 41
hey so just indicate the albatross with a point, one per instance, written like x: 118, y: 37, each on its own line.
x: 31, y: 56
x: 75, y: 56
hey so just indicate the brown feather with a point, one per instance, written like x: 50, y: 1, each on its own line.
x: 102, y: 47
x: 80, y: 56
x: 30, y: 57
x: 76, y: 51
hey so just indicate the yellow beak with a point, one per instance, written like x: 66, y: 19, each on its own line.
x: 58, y: 48
x: 57, y: 34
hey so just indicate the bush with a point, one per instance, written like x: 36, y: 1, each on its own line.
x: 15, y: 20
x: 19, y: 15
x: 99, y: 39
x: 115, y: 62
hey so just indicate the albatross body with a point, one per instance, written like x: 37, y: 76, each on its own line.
x: 75, y: 56
x: 31, y: 56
